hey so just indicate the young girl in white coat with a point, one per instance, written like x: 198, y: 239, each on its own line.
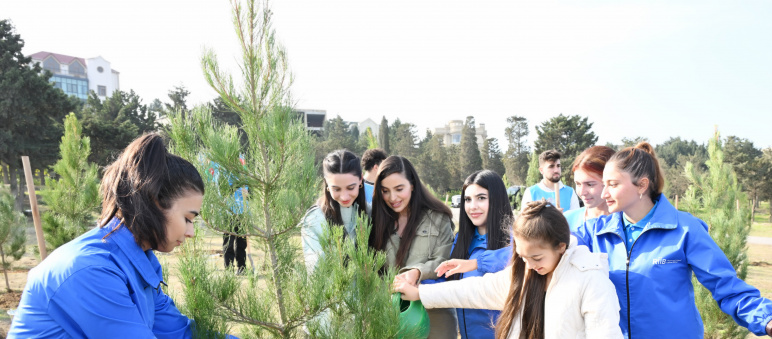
x: 554, y: 289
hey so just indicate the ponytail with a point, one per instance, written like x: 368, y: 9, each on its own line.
x: 640, y: 162
x: 144, y: 181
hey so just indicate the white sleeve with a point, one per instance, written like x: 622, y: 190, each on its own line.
x: 526, y: 198
x: 574, y: 200
x: 600, y: 307
x: 488, y: 292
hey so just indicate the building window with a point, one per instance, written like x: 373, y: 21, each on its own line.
x: 102, y: 91
x: 51, y: 64
x: 100, y: 69
x: 77, y: 70
x: 456, y: 138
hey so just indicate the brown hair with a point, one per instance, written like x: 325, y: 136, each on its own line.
x: 144, y: 181
x: 593, y: 160
x: 421, y: 201
x: 641, y: 162
x: 551, y: 155
x: 341, y: 161
x: 541, y: 221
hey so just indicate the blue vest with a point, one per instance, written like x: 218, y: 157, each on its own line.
x: 537, y: 193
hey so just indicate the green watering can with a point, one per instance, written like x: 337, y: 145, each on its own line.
x: 413, y: 319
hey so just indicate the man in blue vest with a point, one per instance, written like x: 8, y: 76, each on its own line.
x: 371, y: 160
x: 549, y: 167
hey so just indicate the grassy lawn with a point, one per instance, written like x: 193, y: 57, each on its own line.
x: 761, y: 226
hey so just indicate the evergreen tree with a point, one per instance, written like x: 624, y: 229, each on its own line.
x: 713, y: 197
x: 454, y: 169
x: 72, y: 199
x: 433, y: 159
x: 178, y: 96
x: 404, y: 138
x: 278, y: 298
x: 12, y: 233
x: 492, y: 156
x: 383, y: 136
x: 114, y: 123
x: 569, y: 135
x: 516, y: 157
x: 470, y: 158
x: 31, y: 111
x: 534, y: 176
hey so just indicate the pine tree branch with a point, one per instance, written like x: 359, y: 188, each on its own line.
x: 261, y: 234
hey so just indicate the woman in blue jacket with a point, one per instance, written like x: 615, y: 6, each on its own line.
x: 588, y: 178
x: 653, y: 249
x: 481, y: 245
x: 108, y: 283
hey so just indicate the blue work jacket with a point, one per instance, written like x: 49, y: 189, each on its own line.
x: 95, y: 288
x: 654, y: 283
x: 475, y: 323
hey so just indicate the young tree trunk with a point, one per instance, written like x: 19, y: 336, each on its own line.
x: 42, y: 177
x: 16, y: 189
x: 6, y: 177
x: 5, y: 271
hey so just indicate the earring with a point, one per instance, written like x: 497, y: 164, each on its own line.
x: 640, y: 197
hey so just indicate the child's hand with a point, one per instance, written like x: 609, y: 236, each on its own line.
x: 408, y: 290
x: 453, y: 266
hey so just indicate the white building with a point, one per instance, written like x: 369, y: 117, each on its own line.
x: 313, y: 119
x: 77, y: 76
x: 451, y: 133
x: 363, y: 125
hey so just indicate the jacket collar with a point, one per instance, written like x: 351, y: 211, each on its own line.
x: 144, y: 262
x: 665, y: 217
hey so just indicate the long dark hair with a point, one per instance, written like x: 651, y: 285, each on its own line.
x: 384, y: 217
x: 540, y: 221
x: 499, y: 213
x: 144, y: 181
x: 340, y: 162
x: 641, y: 162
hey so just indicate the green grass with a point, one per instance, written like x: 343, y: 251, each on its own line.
x: 761, y: 226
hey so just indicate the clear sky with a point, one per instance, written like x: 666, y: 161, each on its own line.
x: 636, y: 68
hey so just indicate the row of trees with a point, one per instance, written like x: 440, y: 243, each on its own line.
x: 446, y: 166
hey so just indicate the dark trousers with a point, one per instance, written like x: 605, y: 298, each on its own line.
x: 234, y: 247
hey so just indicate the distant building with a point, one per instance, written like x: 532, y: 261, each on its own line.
x: 77, y: 76
x: 375, y: 127
x: 313, y: 119
x: 451, y: 133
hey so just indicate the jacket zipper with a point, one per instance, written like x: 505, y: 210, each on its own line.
x: 627, y: 286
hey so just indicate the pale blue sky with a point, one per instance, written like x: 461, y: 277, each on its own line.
x: 654, y: 69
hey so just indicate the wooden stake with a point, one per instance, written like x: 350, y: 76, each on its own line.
x: 676, y: 202
x: 33, y: 203
x: 557, y: 194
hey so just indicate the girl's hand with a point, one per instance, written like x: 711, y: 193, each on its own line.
x: 769, y: 328
x: 408, y: 290
x: 410, y: 277
x: 453, y: 266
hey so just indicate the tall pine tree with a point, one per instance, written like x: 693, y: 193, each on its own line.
x: 383, y: 136
x: 717, y: 198
x: 492, y: 157
x: 72, y: 199
x: 534, y: 176
x: 279, y: 298
x: 569, y: 135
x: 516, y: 157
x: 470, y: 158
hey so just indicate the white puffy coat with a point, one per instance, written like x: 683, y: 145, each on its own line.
x: 581, y: 301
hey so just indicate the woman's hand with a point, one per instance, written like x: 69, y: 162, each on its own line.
x: 453, y: 266
x: 410, y: 277
x: 409, y: 291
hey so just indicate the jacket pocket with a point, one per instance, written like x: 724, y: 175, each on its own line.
x: 424, y: 242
